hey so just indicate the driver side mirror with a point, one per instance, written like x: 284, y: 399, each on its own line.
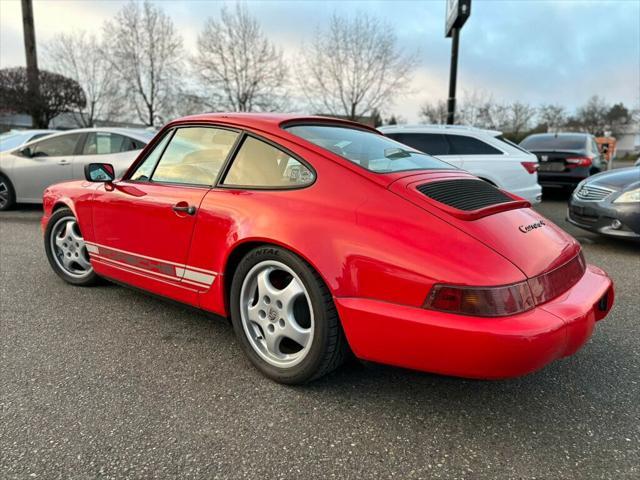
x: 99, y: 172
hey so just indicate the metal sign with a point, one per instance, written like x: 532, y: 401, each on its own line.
x: 457, y: 13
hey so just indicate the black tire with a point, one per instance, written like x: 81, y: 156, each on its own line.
x: 329, y: 346
x: 7, y: 194
x: 90, y: 278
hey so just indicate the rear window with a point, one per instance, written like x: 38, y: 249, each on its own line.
x: 555, y: 142
x: 510, y: 143
x: 372, y: 151
x: 430, y: 143
x: 463, y: 145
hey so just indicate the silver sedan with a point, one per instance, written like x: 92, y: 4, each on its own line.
x: 27, y: 170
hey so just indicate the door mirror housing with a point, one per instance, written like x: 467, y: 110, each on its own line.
x: 26, y: 152
x: 99, y: 172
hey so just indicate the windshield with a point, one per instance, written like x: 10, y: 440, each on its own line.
x: 10, y: 140
x: 374, y: 152
x: 554, y: 142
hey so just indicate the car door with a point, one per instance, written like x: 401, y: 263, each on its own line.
x: 107, y: 147
x: 43, y: 163
x: 143, y: 224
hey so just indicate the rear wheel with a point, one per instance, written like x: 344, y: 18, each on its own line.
x: 7, y: 194
x: 66, y: 250
x: 284, y: 317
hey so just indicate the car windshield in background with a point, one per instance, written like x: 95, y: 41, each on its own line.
x: 369, y: 150
x: 10, y: 140
x: 554, y: 142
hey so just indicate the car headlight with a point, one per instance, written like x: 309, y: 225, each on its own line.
x: 630, y: 196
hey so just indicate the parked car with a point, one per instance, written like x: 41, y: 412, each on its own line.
x: 318, y: 235
x: 14, y: 138
x: 608, y: 203
x: 28, y: 169
x: 484, y: 153
x: 565, y: 158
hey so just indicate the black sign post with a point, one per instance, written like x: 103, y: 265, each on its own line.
x: 457, y: 13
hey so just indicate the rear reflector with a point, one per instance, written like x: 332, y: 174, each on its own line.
x: 531, y: 167
x: 506, y: 299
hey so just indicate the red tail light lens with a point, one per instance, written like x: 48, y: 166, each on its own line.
x: 481, y: 302
x: 578, y: 161
x: 531, y: 167
x: 507, y: 299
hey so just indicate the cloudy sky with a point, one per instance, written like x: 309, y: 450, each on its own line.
x: 539, y: 51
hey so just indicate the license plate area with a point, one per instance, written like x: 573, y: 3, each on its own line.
x: 551, y: 167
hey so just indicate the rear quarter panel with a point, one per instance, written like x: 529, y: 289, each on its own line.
x: 363, y: 240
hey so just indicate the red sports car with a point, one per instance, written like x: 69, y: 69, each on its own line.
x: 319, y: 237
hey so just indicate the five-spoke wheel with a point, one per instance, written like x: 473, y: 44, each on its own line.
x: 283, y: 315
x: 277, y: 315
x: 66, y: 250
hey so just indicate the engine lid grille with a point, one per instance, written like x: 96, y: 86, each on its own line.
x: 464, y: 194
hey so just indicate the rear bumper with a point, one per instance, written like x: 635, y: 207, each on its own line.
x: 533, y: 193
x: 477, y: 347
x: 570, y: 178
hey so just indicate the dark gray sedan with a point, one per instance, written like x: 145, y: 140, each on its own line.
x: 608, y: 203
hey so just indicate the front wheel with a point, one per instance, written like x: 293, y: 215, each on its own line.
x: 7, y: 194
x: 284, y: 317
x: 66, y: 250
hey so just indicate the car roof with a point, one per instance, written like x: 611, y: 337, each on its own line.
x: 135, y: 133
x: 427, y: 128
x: 266, y: 121
x: 560, y: 134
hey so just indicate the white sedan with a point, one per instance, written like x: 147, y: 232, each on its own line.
x: 484, y: 153
x: 27, y: 170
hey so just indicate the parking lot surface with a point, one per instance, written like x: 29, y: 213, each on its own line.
x: 109, y: 382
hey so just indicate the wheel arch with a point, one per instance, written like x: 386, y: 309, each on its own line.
x: 240, y: 249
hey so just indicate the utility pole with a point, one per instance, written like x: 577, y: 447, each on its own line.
x: 456, y: 15
x: 32, y: 61
x: 453, y: 76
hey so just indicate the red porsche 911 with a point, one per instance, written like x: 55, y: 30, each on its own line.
x: 320, y: 237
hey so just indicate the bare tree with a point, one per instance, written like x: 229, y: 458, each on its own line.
x: 353, y: 68
x: 145, y: 52
x: 79, y: 56
x: 593, y: 115
x: 434, y: 112
x: 240, y: 68
x: 553, y: 116
x: 520, y: 116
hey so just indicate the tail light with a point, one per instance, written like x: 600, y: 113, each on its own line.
x: 578, y: 161
x: 506, y: 299
x: 481, y: 302
x: 531, y: 167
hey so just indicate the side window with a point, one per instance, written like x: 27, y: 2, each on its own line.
x: 59, y: 146
x: 463, y: 145
x: 101, y: 143
x: 258, y: 164
x: 429, y: 143
x: 145, y: 169
x: 194, y: 155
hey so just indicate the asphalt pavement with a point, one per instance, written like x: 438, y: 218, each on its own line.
x: 108, y: 382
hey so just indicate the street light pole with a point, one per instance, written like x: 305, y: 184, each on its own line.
x: 453, y: 75
x: 32, y: 60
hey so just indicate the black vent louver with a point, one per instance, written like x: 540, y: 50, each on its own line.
x: 464, y: 194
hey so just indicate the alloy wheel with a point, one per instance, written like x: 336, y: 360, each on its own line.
x: 69, y: 249
x: 277, y: 314
x: 4, y: 194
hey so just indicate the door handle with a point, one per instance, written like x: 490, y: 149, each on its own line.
x: 64, y: 161
x: 188, y: 209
